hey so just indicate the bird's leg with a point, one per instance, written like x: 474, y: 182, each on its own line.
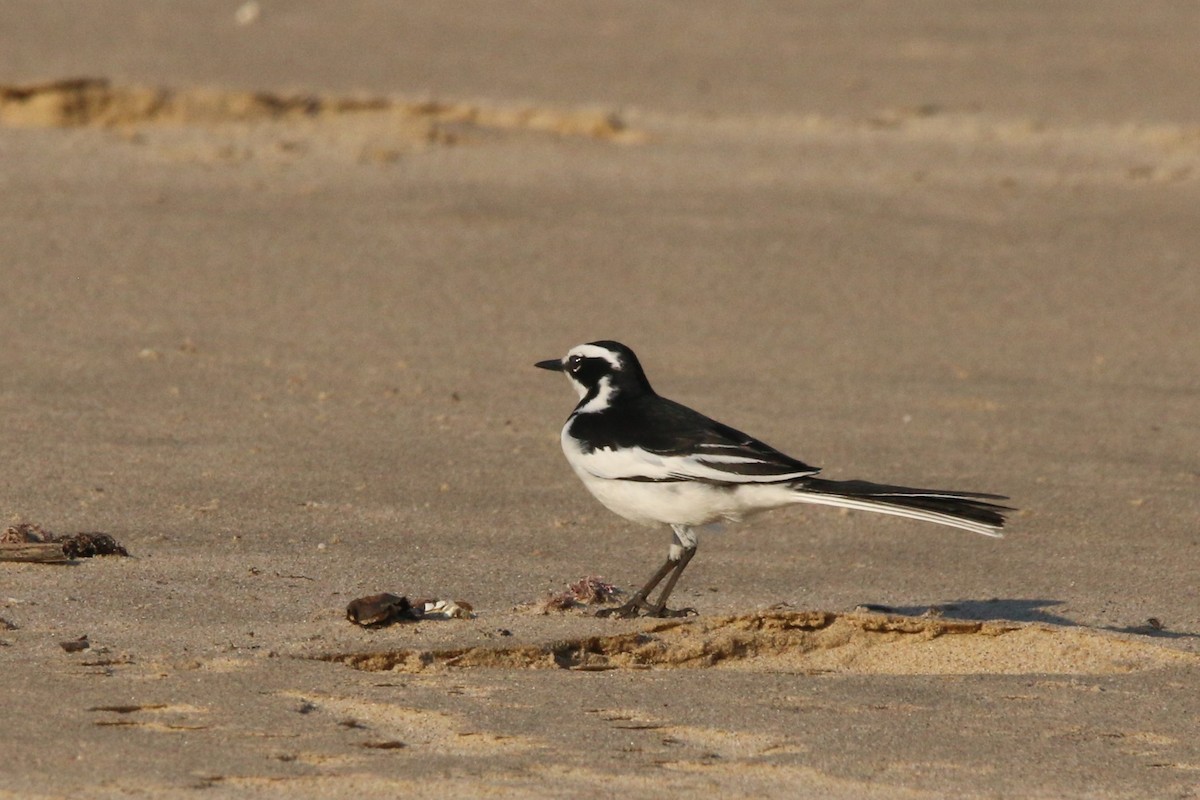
x: 660, y: 609
x: 683, y: 547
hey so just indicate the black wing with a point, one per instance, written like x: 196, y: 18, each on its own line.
x: 655, y: 439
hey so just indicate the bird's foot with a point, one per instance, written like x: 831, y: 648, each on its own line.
x: 639, y: 607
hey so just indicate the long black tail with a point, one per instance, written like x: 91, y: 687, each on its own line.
x: 970, y: 511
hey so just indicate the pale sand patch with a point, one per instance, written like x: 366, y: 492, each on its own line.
x: 405, y: 725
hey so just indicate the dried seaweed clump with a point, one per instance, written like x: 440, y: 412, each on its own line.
x: 86, y: 545
x: 590, y: 590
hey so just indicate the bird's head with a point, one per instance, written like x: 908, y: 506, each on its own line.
x: 600, y: 371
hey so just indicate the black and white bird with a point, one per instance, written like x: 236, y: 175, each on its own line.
x: 656, y: 462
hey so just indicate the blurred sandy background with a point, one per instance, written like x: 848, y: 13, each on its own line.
x: 273, y: 279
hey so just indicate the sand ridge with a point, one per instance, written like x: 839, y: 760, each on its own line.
x: 382, y: 128
x: 99, y: 103
x: 810, y: 642
x: 224, y: 126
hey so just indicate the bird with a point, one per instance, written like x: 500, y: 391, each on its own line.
x: 657, y: 462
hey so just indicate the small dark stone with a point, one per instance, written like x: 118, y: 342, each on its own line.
x: 380, y: 609
x: 76, y: 645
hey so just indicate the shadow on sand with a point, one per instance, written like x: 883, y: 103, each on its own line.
x: 1026, y: 610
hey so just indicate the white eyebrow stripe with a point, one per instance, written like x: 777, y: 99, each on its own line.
x: 593, y: 351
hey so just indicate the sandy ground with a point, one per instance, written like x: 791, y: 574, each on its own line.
x: 272, y: 286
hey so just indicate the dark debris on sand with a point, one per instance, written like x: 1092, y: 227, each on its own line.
x: 77, y: 545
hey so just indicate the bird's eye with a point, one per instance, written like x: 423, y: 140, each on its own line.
x: 574, y: 363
